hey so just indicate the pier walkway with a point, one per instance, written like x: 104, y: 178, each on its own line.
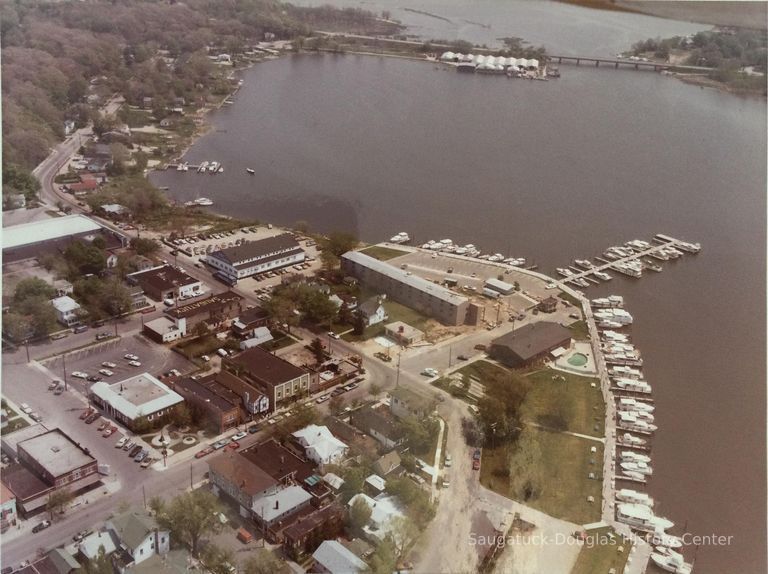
x: 662, y: 242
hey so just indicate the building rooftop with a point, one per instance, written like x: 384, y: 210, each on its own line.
x: 412, y: 398
x: 305, y: 524
x: 46, y: 229
x: 133, y: 527
x: 387, y: 463
x: 5, y: 494
x: 243, y: 472
x: 376, y: 482
x: 401, y: 276
x: 230, y: 387
x: 65, y: 304
x: 23, y: 483
x: 137, y: 396
x: 256, y: 249
x: 89, y: 546
x: 162, y: 278
x: 266, y: 367
x: 404, y: 330
x: 161, y: 325
x: 56, y: 452
x: 208, y: 305
x: 379, y: 419
x: 11, y: 440
x: 279, y: 462
x: 532, y: 339
x: 219, y: 401
x: 272, y: 506
x: 336, y: 559
x: 253, y: 315
x: 320, y: 440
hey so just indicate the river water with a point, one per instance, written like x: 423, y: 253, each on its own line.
x: 550, y: 171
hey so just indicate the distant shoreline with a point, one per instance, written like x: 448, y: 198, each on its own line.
x: 738, y: 14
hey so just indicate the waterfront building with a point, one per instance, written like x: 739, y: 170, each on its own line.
x: 257, y: 256
x: 527, y: 344
x: 405, y: 288
x: 166, y: 282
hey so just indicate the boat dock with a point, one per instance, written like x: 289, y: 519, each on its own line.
x: 630, y: 264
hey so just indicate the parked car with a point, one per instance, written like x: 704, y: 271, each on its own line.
x: 102, y: 336
x: 238, y: 436
x: 129, y: 445
x: 134, y: 363
x: 106, y: 372
x: 476, y: 464
x: 448, y: 460
x: 233, y: 445
x: 94, y: 378
x: 103, y: 425
x: 480, y: 347
x: 85, y: 414
x: 36, y: 417
x: 80, y: 374
x: 108, y: 365
x: 220, y: 444
x: 82, y: 534
x: 338, y: 391
x: 147, y: 461
x: 53, y: 385
x: 92, y: 418
x: 462, y: 358
x: 205, y: 358
x: 25, y: 408
x: 109, y: 432
x: 253, y: 429
x: 121, y: 442
x: 477, y: 454
x: 134, y: 451
x: 41, y: 526
x: 222, y: 352
x: 58, y: 390
x: 429, y: 372
x: 130, y: 357
x: 80, y: 329
x: 141, y: 456
x: 382, y: 356
x: 446, y: 481
x: 206, y: 451
x: 333, y: 335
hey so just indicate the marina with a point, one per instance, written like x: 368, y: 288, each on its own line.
x: 631, y: 260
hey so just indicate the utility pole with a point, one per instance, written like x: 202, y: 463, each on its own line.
x: 450, y: 356
x: 115, y: 322
x: 26, y: 347
x: 144, y: 494
x: 190, y: 475
x: 64, y: 359
x: 397, y: 380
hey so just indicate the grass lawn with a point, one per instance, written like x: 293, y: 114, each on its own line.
x: 396, y: 312
x: 547, y: 471
x: 601, y: 553
x: 579, y: 331
x: 15, y: 424
x: 569, y: 404
x: 206, y: 345
x: 383, y: 253
x: 279, y: 343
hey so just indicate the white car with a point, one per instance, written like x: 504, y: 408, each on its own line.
x: 121, y: 442
x: 25, y: 408
x: 130, y: 357
x: 429, y: 372
x: 80, y: 374
x: 333, y: 335
x: 322, y: 399
x: 106, y: 372
x: 134, y: 363
x: 205, y: 358
x: 448, y: 460
x: 108, y: 365
x: 238, y: 436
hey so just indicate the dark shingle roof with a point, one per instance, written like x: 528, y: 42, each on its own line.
x: 267, y: 367
x: 256, y: 249
x: 533, y: 339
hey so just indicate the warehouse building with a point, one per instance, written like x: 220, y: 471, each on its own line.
x: 31, y: 240
x: 257, y: 256
x: 166, y: 282
x: 405, y: 288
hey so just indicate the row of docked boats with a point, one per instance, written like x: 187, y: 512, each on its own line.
x: 635, y: 424
x: 468, y: 250
x: 212, y: 167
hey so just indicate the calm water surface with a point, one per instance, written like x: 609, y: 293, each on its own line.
x: 550, y: 171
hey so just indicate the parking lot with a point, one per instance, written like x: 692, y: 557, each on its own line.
x: 470, y: 274
x: 201, y: 244
x: 154, y: 359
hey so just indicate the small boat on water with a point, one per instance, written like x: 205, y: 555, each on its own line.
x: 213, y: 167
x: 671, y: 562
x: 203, y: 167
x: 401, y: 237
x: 642, y: 518
x: 249, y: 170
x: 634, y: 497
x: 648, y: 264
x: 602, y: 275
x: 667, y: 541
x: 199, y: 202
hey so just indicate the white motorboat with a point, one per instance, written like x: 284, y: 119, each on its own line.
x: 401, y: 237
x: 614, y: 336
x: 584, y: 263
x: 581, y: 282
x: 633, y: 475
x: 632, y: 440
x: 628, y: 404
x: 608, y: 302
x: 221, y: 169
x: 602, y: 275
x: 639, y: 467
x: 604, y: 324
x: 249, y: 170
x: 213, y: 167
x: 631, y: 456
x: 634, y: 497
x: 565, y: 272
x: 461, y: 251
x: 633, y: 385
x: 666, y: 541
x: 671, y: 562
x: 203, y: 167
x: 180, y: 167
x: 689, y: 247
x: 203, y: 201
x: 642, y: 518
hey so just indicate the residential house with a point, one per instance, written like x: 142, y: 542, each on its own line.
x: 407, y: 403
x: 139, y: 536
x: 274, y: 509
x: 374, y: 485
x: 529, y: 343
x: 372, y: 311
x: 222, y: 409
x: 333, y: 558
x: 384, y: 509
x: 310, y: 530
x: 242, y: 480
x: 259, y: 336
x: 320, y: 445
x: 7, y: 508
x: 378, y: 422
x: 67, y: 310
x: 166, y: 282
x: 389, y: 463
x: 248, y: 321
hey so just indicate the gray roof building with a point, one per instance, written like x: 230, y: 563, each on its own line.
x: 528, y: 343
x: 334, y: 558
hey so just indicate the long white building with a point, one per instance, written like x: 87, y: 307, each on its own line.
x: 257, y: 256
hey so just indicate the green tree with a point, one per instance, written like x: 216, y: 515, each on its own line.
x: 190, y: 516
x: 16, y: 327
x: 318, y: 308
x: 359, y: 514
x: 217, y: 560
x: 182, y: 416
x: 32, y: 287
x: 144, y: 246
x: 281, y: 311
x: 84, y: 258
x: 419, y: 432
x: 100, y: 564
x: 264, y: 562
x: 318, y: 350
x: 383, y: 559
x: 58, y: 501
x: 403, y: 534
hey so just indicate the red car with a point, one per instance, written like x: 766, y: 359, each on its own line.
x: 84, y: 415
x: 204, y: 452
x: 109, y: 431
x: 476, y: 464
x: 233, y: 445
